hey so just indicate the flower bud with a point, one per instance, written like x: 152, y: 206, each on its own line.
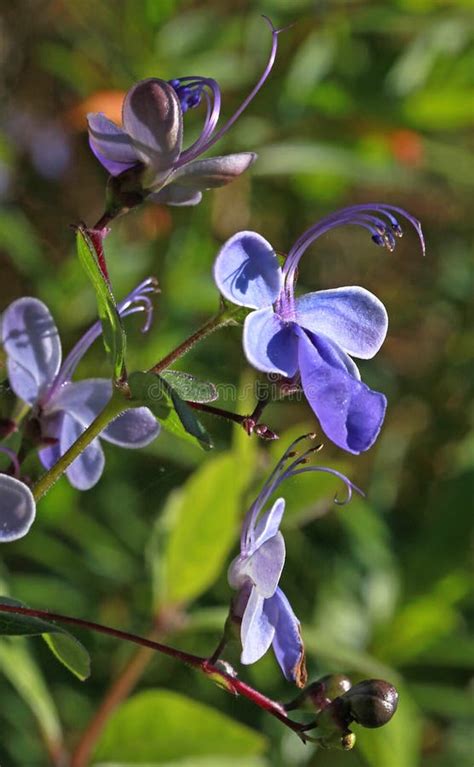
x: 319, y: 694
x: 371, y: 703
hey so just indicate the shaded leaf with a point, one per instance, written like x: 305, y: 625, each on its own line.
x: 189, y: 387
x: 186, y: 728
x: 62, y: 644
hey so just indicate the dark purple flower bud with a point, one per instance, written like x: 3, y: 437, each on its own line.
x: 371, y: 703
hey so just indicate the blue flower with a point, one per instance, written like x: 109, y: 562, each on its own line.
x: 65, y: 408
x: 147, y: 153
x: 312, y: 336
x: 260, y: 605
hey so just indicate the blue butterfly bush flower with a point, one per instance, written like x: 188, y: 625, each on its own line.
x: 260, y: 606
x: 63, y: 408
x: 146, y: 156
x: 313, y: 337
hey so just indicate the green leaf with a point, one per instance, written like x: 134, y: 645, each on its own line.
x: 197, y: 761
x: 62, y: 644
x: 205, y: 515
x: 190, y: 388
x: 20, y: 669
x: 165, y: 403
x: 159, y: 725
x: 112, y: 329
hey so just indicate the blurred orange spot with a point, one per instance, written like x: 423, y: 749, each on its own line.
x: 407, y: 147
x: 156, y: 221
x: 108, y: 102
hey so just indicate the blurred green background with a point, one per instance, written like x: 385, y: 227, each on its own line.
x: 368, y: 102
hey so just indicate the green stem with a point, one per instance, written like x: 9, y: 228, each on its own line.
x: 225, y: 317
x: 114, y: 407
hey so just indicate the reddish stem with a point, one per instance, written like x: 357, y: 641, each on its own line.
x: 229, y: 682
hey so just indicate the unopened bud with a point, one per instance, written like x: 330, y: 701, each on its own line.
x: 319, y: 694
x: 371, y: 703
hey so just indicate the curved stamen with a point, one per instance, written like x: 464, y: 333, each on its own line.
x: 201, y: 145
x: 267, y: 489
x: 382, y: 233
x: 136, y: 301
x: 13, y: 458
x: 350, y: 486
x: 208, y: 88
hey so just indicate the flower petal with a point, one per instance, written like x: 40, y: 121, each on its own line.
x: 269, y: 523
x: 269, y: 344
x: 265, y: 566
x: 215, y: 171
x: 83, y: 400
x: 349, y: 412
x: 86, y: 470
x: 173, y: 194
x: 136, y: 427
x: 31, y: 341
x: 152, y: 117
x: 287, y: 643
x: 247, y: 271
x: 110, y: 144
x: 352, y: 317
x: 17, y: 509
x: 51, y: 429
x: 257, y: 629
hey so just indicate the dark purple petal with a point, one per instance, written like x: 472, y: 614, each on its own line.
x: 215, y: 171
x: 349, y: 412
x: 136, y: 427
x: 352, y: 317
x: 247, y: 271
x: 51, y: 429
x: 86, y: 470
x: 17, y: 509
x: 110, y: 144
x: 269, y: 523
x: 257, y: 629
x: 270, y: 344
x: 287, y: 643
x: 32, y: 343
x: 173, y: 194
x: 152, y: 117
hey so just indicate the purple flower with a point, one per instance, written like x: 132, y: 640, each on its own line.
x: 264, y: 611
x: 65, y: 408
x: 312, y: 336
x: 147, y: 153
x: 17, y: 509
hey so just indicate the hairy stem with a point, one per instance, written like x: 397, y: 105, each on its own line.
x: 220, y: 320
x: 114, y: 407
x: 231, y: 683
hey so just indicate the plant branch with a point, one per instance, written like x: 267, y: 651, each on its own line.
x: 229, y: 682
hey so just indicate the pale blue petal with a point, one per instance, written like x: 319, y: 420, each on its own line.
x: 352, y: 317
x: 110, y: 144
x: 287, y: 643
x: 31, y: 341
x: 269, y: 523
x: 51, y: 428
x: 136, y: 427
x: 265, y: 566
x: 257, y: 629
x: 83, y: 400
x: 247, y: 271
x: 350, y: 413
x: 86, y: 470
x: 270, y: 344
x: 17, y: 509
